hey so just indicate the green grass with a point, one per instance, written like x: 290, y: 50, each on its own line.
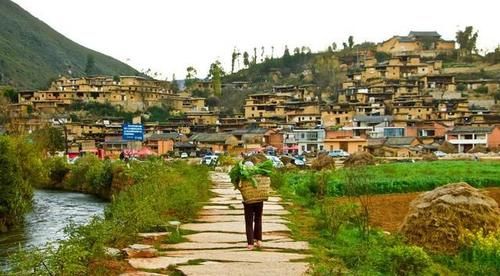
x: 160, y: 193
x: 402, y: 177
x: 340, y: 247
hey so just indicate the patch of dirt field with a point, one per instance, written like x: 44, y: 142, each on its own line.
x: 388, y: 211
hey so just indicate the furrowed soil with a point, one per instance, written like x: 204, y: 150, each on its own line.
x: 388, y: 211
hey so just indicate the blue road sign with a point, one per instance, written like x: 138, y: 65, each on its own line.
x: 132, y: 132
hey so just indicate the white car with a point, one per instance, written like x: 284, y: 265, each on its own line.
x: 439, y: 153
x: 276, y: 161
x: 184, y: 155
x: 338, y: 153
x: 208, y: 159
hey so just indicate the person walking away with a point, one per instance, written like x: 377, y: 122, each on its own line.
x: 253, y: 223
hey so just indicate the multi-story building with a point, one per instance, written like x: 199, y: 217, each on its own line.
x: 423, y: 43
x: 266, y: 106
x: 131, y: 92
x: 466, y: 138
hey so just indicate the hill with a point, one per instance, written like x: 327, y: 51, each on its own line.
x: 31, y: 52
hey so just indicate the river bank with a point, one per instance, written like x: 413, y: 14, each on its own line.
x: 52, y: 211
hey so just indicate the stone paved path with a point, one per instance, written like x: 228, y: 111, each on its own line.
x: 218, y: 244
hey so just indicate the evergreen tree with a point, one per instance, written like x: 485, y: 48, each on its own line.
x: 90, y: 67
x: 246, y: 62
x: 174, y: 85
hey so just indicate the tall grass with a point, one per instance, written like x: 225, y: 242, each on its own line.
x: 159, y: 193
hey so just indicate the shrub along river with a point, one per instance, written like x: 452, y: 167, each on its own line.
x: 52, y: 212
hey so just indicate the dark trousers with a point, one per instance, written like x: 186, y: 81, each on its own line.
x: 253, y: 214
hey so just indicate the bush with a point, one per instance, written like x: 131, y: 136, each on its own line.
x: 90, y: 175
x: 481, y: 89
x: 461, y: 87
x: 57, y: 169
x: 481, y: 249
x: 408, y: 260
x: 335, y: 214
x: 173, y: 192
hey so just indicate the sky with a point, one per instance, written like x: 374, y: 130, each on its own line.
x: 168, y: 36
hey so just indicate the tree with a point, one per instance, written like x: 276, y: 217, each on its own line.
x: 49, y: 139
x: 350, y: 43
x: 325, y: 68
x: 246, y: 62
x: 90, y: 67
x: 10, y: 93
x: 350, y: 40
x: 467, y: 41
x: 190, y: 76
x: 216, y: 73
x: 15, y: 189
x: 213, y: 102
x: 254, y: 55
x: 334, y: 46
x: 174, y: 85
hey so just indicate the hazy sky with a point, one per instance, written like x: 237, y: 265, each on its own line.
x: 168, y: 36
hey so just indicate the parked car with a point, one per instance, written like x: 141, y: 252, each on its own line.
x: 298, y: 162
x: 276, y: 161
x: 338, y: 153
x: 209, y: 159
x: 73, y: 160
x: 184, y: 155
x: 440, y: 153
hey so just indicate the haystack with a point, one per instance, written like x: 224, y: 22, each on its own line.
x: 437, y: 219
x: 256, y: 158
x: 359, y: 159
x: 447, y: 147
x: 323, y: 162
x: 478, y: 149
x: 429, y: 157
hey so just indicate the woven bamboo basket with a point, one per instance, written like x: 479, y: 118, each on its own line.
x: 259, y: 193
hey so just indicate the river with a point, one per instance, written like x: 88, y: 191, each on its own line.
x: 52, y: 212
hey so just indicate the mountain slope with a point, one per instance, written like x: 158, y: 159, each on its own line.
x: 31, y: 52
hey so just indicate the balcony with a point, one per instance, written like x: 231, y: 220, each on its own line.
x: 468, y: 141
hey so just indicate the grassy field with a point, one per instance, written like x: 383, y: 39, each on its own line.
x: 399, y: 177
x: 342, y: 244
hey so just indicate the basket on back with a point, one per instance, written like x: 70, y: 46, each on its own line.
x: 257, y: 193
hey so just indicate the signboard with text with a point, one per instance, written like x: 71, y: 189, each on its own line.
x: 133, y: 132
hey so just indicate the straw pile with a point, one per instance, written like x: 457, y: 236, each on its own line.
x: 359, y: 159
x: 437, y: 219
x: 429, y: 157
x: 323, y: 162
x: 256, y: 158
x: 478, y: 149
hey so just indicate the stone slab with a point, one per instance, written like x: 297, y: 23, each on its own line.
x: 157, y: 262
x: 266, y: 206
x: 241, y: 218
x: 237, y: 255
x: 240, y: 212
x: 140, y: 273
x: 288, y: 245
x: 229, y: 237
x: 245, y: 269
x: 232, y: 227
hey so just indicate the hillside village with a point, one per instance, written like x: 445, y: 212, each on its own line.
x: 405, y: 104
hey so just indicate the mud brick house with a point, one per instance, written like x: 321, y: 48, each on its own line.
x: 424, y: 43
x: 215, y: 142
x: 401, y: 147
